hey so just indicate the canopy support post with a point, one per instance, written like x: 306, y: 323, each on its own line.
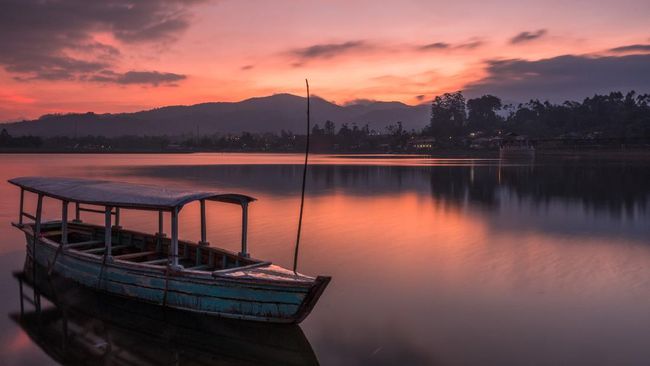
x: 174, y: 248
x: 244, y: 230
x: 64, y: 222
x: 22, y: 203
x: 204, y: 240
x: 77, y: 213
x: 108, y: 234
x: 117, y: 219
x: 37, y: 235
x: 160, y: 234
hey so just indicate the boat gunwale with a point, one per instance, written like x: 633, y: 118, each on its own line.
x: 163, y: 271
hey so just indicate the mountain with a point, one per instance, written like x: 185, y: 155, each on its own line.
x: 264, y: 114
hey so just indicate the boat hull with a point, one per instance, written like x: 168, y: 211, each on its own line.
x: 257, y: 300
x: 84, y: 327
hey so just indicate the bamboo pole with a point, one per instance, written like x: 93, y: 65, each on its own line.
x: 244, y: 230
x: 108, y: 233
x: 304, y: 178
x: 37, y: 236
x: 117, y: 218
x: 204, y: 240
x: 160, y: 223
x: 160, y: 235
x: 77, y: 212
x: 64, y: 222
x: 174, y: 248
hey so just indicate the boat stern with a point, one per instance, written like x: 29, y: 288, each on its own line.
x: 282, y: 283
x: 315, y: 292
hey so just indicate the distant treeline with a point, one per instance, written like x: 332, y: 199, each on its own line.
x: 28, y: 142
x: 346, y: 138
x: 479, y: 123
x: 615, y: 115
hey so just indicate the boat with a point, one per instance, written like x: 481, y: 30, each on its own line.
x: 78, y: 326
x: 156, y: 268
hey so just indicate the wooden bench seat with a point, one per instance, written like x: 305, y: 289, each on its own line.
x: 156, y: 261
x: 199, y: 267
x: 134, y: 255
x: 59, y: 232
x: 83, y: 243
x: 99, y: 250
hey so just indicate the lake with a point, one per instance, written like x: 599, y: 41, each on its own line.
x: 434, y: 261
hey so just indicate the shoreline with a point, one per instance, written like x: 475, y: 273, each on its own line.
x: 635, y: 153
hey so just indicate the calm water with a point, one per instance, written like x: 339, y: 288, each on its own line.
x: 434, y: 261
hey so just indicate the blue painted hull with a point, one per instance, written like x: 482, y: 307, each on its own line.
x: 268, y: 301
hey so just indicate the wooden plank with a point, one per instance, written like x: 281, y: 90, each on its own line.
x: 94, y: 250
x: 29, y: 216
x: 100, y: 250
x: 198, y: 268
x: 156, y: 261
x: 84, y: 243
x: 59, y: 232
x: 135, y: 255
x: 242, y: 268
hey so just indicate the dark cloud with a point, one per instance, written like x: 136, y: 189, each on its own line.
x: 435, y: 46
x: 53, y: 40
x: 564, y: 77
x: 631, y: 48
x: 420, y: 97
x: 441, y: 46
x: 329, y: 50
x: 470, y: 45
x: 153, y: 78
x: 247, y: 67
x: 149, y: 77
x: 527, y: 36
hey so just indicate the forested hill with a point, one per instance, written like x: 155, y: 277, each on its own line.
x: 265, y: 114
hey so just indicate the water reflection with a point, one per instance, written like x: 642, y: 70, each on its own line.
x: 88, y: 328
x: 453, y: 261
x: 617, y: 189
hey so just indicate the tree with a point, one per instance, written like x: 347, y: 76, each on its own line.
x: 448, y: 115
x: 482, y: 113
x: 5, y: 137
x: 330, y: 128
x: 398, y: 136
x: 317, y: 131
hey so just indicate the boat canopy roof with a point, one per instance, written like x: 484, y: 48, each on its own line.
x: 121, y: 194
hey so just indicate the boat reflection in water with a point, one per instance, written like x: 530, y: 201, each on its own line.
x: 74, y: 325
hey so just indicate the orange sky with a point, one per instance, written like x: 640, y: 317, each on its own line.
x: 230, y: 50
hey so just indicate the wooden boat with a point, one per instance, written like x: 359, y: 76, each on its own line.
x: 84, y: 327
x: 152, y: 267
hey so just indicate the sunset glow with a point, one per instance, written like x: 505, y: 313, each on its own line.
x: 120, y: 57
